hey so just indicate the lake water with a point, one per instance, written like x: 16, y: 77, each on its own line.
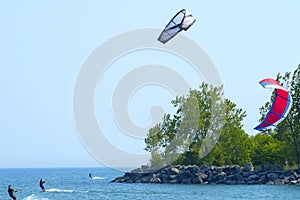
x: 74, y: 183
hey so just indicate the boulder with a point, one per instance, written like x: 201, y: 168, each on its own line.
x: 155, y: 180
x: 294, y: 182
x: 234, y: 178
x: 272, y: 177
x: 248, y: 167
x: 175, y: 171
x: 229, y: 170
x: 263, y: 179
x: 220, y: 178
x: 272, y: 168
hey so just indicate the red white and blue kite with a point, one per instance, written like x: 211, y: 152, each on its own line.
x: 281, y: 105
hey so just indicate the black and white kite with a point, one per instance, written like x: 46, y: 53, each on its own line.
x: 183, y: 20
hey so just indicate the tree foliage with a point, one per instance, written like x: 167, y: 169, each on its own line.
x: 234, y: 145
x: 193, y: 132
x: 267, y: 150
x: 194, y: 125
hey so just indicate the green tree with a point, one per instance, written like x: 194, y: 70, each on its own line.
x: 189, y: 135
x: 294, y: 115
x: 267, y: 150
x: 234, y: 145
x: 283, y: 134
x: 192, y: 131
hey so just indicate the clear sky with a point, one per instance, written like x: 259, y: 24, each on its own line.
x: 44, y: 44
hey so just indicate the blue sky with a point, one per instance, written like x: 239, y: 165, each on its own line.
x: 44, y: 44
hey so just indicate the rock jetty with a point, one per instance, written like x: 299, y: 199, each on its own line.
x: 192, y: 174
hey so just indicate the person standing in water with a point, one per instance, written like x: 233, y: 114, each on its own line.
x: 42, y: 185
x: 11, y: 192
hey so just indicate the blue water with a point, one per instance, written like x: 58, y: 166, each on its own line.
x: 74, y: 183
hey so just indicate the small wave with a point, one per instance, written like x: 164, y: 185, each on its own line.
x: 98, y: 178
x: 34, y: 197
x: 83, y: 191
x: 58, y: 190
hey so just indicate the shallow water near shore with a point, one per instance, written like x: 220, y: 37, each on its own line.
x: 74, y: 183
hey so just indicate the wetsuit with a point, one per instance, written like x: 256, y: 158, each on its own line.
x: 42, y: 185
x: 11, y: 193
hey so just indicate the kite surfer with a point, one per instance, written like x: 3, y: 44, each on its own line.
x: 11, y: 192
x: 42, y: 185
x: 90, y: 175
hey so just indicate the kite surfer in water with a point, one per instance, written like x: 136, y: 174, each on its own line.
x: 42, y: 185
x: 90, y: 175
x: 11, y: 192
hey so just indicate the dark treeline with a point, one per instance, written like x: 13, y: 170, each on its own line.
x: 207, y: 129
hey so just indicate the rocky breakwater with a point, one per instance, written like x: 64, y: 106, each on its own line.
x: 192, y: 174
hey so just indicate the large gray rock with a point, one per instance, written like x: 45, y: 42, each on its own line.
x: 155, y: 180
x: 234, y: 178
x: 204, y: 168
x: 272, y: 177
x: 220, y: 178
x: 262, y: 180
x: 229, y: 170
x: 272, y: 168
x: 253, y: 179
x: 294, y: 182
x: 248, y: 167
x: 175, y: 171
x: 200, y: 178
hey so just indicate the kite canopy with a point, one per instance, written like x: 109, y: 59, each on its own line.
x: 281, y: 105
x: 183, y: 20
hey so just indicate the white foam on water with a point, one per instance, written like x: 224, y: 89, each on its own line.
x: 35, y: 197
x: 58, y: 190
x: 97, y: 178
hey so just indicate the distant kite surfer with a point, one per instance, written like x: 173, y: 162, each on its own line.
x: 90, y: 175
x: 42, y: 185
x: 11, y: 192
